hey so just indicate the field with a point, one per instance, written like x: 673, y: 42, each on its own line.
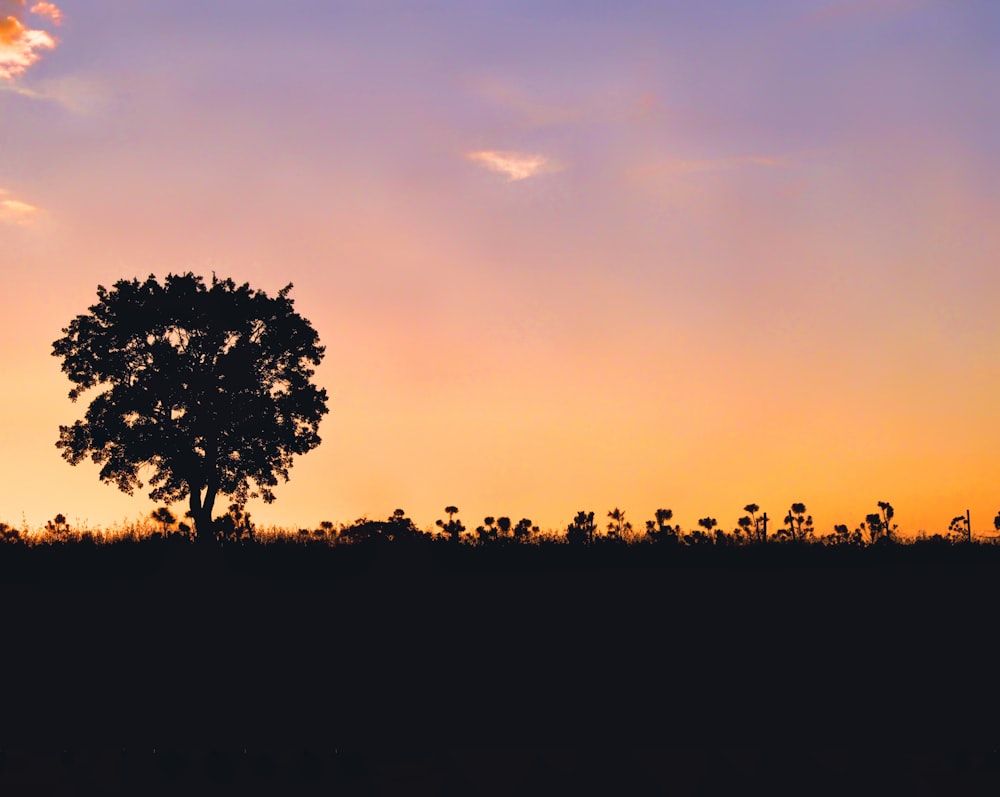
x: 382, y: 654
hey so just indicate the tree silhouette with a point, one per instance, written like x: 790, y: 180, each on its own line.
x: 708, y: 523
x: 659, y: 529
x: 581, y: 530
x: 164, y: 517
x: 488, y: 531
x: 207, y: 386
x: 398, y: 528
x: 453, y: 528
x: 842, y: 535
x: 875, y: 526
x: 996, y: 522
x: 523, y: 530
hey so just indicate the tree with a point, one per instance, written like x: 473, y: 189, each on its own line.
x: 523, y: 529
x: 488, y: 531
x: 453, y: 528
x: 164, y: 517
x: 205, y: 386
x: 744, y: 526
x: 875, y: 526
x: 842, y: 535
x: 397, y: 528
x: 708, y: 523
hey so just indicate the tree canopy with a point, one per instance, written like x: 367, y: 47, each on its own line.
x: 206, y: 387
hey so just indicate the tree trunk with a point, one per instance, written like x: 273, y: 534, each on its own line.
x: 201, y: 513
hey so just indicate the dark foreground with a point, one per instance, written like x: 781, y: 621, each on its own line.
x: 406, y: 672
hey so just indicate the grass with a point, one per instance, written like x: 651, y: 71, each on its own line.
x: 140, y: 550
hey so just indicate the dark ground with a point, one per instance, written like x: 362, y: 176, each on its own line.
x: 410, y: 675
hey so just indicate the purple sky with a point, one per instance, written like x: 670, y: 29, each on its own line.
x: 562, y: 255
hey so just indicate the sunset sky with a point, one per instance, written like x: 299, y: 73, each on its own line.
x: 563, y: 255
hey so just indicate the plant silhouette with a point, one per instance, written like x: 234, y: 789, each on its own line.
x: 754, y: 526
x: 874, y: 525
x: 879, y: 524
x: 397, y: 528
x: 708, y: 523
x: 453, y: 528
x: 164, y: 517
x: 58, y: 526
x: 524, y: 529
x: 489, y: 530
x: 619, y: 528
x: 842, y: 535
x: 659, y: 529
x: 962, y: 526
x: 887, y: 514
x: 207, y: 385
x: 581, y: 530
x: 798, y: 525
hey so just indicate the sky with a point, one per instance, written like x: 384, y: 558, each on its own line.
x: 563, y: 255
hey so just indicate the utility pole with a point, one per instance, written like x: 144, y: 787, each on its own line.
x: 968, y: 526
x: 765, y: 526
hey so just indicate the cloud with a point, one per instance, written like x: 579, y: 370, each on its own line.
x: 20, y: 45
x: 14, y: 211
x: 49, y: 10
x: 515, y: 165
x: 77, y: 93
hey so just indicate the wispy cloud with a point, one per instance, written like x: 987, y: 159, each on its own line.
x: 80, y: 94
x: 49, y: 10
x: 22, y: 45
x: 14, y: 211
x: 514, y: 165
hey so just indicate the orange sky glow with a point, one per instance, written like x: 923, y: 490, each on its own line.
x: 561, y: 257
